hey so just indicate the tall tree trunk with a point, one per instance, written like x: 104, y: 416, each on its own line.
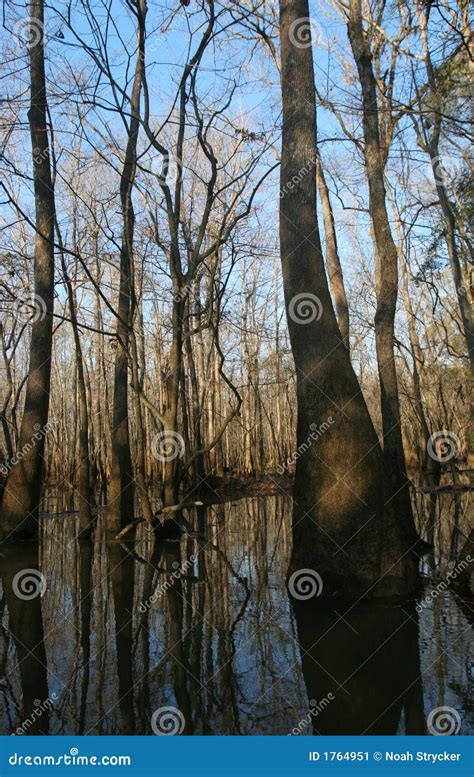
x: 339, y: 529
x: 430, y: 468
x: 121, y: 491
x: 22, y: 491
x: 396, y: 482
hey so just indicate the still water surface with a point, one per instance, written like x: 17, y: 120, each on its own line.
x: 205, y: 625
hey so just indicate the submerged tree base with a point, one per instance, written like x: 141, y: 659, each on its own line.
x: 372, y: 561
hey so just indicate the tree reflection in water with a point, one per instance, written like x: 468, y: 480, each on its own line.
x: 204, y: 625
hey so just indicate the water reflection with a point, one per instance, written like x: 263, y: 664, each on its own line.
x: 205, y: 625
x: 25, y: 636
x: 367, y: 662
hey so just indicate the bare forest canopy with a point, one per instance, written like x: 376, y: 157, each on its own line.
x: 236, y: 241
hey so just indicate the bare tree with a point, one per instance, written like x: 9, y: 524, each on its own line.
x: 21, y: 496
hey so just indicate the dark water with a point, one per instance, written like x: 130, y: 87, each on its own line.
x: 123, y: 631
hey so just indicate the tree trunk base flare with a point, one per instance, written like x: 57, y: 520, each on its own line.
x: 362, y: 557
x: 343, y: 530
x: 346, y: 537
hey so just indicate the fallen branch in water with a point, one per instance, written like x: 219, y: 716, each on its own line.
x: 162, y: 512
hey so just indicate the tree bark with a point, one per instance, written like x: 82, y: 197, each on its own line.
x: 23, y: 488
x: 339, y: 529
x: 121, y: 491
x: 448, y: 210
x: 396, y: 483
x: 85, y: 493
x: 333, y: 262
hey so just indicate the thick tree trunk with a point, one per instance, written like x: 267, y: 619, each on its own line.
x: 22, y: 491
x: 396, y: 482
x: 339, y: 529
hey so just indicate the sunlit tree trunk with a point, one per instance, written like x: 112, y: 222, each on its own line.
x: 333, y: 262
x: 121, y: 490
x: 339, y: 529
x: 396, y: 484
x: 22, y: 491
